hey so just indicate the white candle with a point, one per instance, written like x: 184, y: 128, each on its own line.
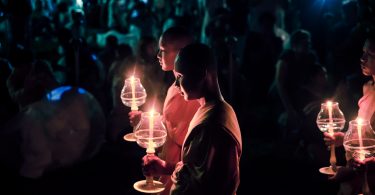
x: 359, y: 128
x: 152, y: 123
x: 330, y: 125
x: 133, y: 104
x: 151, y: 148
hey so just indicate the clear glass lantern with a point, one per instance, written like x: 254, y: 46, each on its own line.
x: 150, y: 133
x: 359, y: 140
x: 359, y: 144
x: 133, y: 95
x: 330, y: 119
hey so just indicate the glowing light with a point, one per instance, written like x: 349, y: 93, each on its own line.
x: 133, y: 104
x: 81, y: 91
x: 150, y: 147
x: 330, y: 126
x: 79, y: 3
x: 359, y: 129
x: 55, y: 95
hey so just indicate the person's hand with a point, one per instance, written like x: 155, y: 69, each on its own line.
x: 337, y: 138
x: 134, y: 117
x: 342, y: 174
x: 360, y: 163
x: 154, y: 166
x: 174, y: 175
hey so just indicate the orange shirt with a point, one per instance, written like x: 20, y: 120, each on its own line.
x: 211, y: 153
x: 367, y: 103
x: 177, y: 114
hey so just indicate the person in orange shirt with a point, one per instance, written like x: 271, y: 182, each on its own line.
x: 212, y: 147
x: 177, y: 113
x: 348, y: 175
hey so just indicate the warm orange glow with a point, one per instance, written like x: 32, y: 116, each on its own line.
x: 359, y: 128
x: 330, y: 126
x: 150, y: 148
x: 133, y: 104
x: 151, y: 123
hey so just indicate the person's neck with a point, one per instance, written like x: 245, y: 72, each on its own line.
x: 211, y: 96
x: 174, y: 73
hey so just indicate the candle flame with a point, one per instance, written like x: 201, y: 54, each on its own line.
x: 359, y: 121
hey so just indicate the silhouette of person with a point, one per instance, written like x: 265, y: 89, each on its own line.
x: 290, y: 71
x: 177, y: 113
x: 351, y: 182
x: 212, y: 147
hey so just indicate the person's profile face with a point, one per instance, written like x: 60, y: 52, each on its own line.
x: 189, y: 82
x: 368, y: 59
x: 189, y: 86
x: 166, y: 55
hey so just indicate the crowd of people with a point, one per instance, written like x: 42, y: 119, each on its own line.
x: 238, y: 83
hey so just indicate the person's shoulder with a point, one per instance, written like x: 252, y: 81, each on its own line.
x: 172, y: 90
x: 219, y: 113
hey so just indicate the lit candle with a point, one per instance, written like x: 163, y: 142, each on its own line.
x: 332, y: 158
x: 359, y: 128
x: 133, y: 104
x: 151, y: 148
x: 330, y: 125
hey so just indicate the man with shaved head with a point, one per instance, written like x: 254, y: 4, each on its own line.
x: 177, y: 113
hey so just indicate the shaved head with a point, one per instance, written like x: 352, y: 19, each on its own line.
x: 177, y: 37
x: 170, y: 43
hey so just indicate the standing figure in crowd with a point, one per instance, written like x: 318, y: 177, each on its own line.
x: 213, y: 145
x: 177, y: 113
x: 351, y: 182
x: 290, y: 71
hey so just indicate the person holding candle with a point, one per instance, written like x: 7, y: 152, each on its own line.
x: 366, y: 112
x: 212, y: 147
x: 177, y: 113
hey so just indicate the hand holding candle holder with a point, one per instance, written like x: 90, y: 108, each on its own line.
x: 359, y: 144
x: 330, y: 119
x: 150, y: 133
x: 133, y: 95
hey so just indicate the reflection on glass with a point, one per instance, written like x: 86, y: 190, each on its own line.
x: 330, y: 119
x: 150, y: 133
x: 133, y: 95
